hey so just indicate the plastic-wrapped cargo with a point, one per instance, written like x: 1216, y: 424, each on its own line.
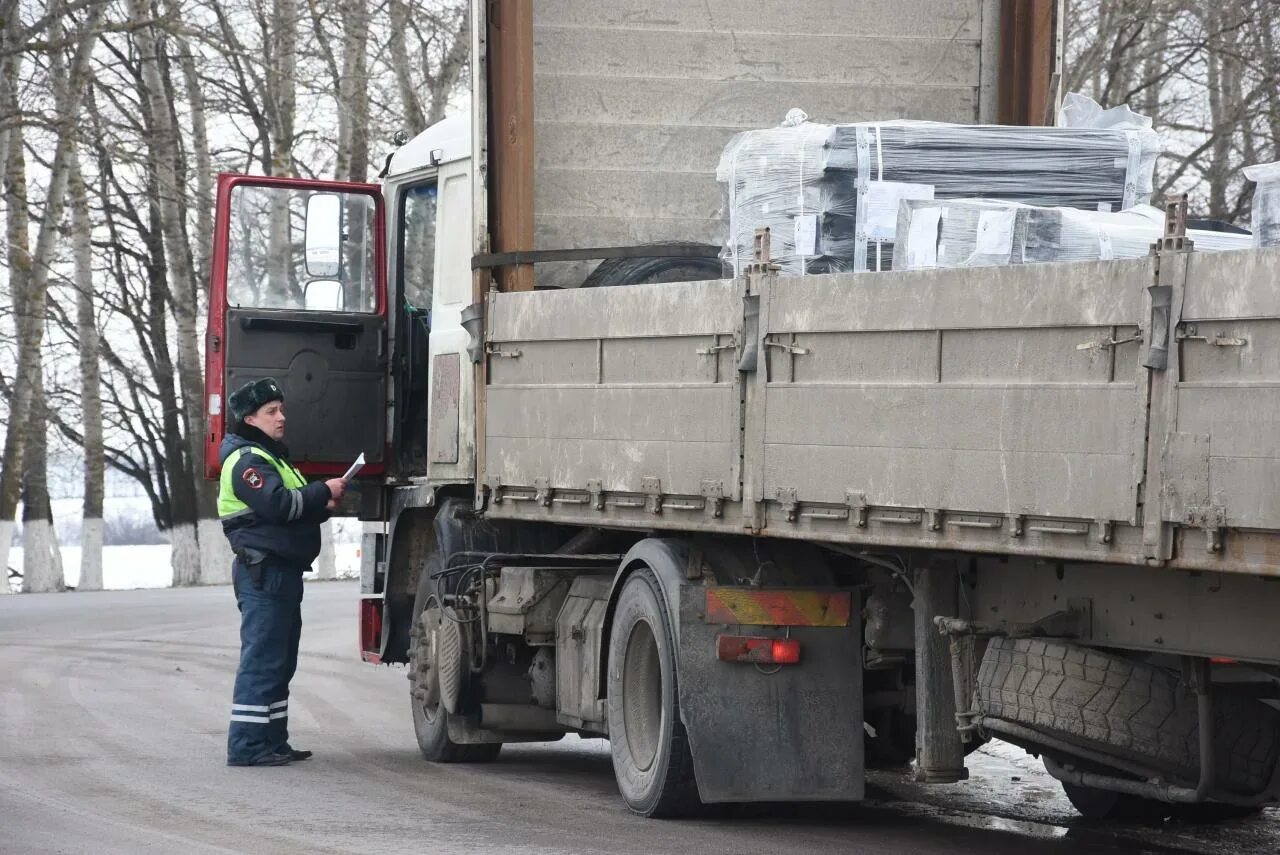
x: 990, y: 233
x: 830, y: 193
x: 1266, y: 203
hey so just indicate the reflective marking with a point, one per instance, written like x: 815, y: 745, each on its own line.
x: 277, y: 705
x: 276, y: 715
x: 249, y: 708
x: 756, y: 607
x: 251, y: 719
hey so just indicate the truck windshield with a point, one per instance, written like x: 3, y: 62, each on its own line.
x: 417, y: 243
x: 300, y: 249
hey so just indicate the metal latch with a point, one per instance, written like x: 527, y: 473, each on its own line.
x: 493, y: 350
x: 1108, y: 342
x: 716, y: 348
x: 789, y: 348
x: 1188, y: 333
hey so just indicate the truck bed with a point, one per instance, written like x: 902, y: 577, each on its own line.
x: 1000, y: 410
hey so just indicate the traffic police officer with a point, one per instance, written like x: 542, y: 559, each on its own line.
x: 272, y: 517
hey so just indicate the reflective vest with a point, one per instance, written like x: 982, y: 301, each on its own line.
x: 229, y: 504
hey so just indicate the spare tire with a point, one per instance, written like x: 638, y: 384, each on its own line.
x: 1125, y: 708
x: 695, y: 267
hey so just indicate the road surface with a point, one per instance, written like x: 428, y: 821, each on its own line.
x: 113, y: 713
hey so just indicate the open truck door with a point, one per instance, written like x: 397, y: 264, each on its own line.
x: 298, y: 293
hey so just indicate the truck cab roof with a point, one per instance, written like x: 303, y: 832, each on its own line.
x: 447, y: 140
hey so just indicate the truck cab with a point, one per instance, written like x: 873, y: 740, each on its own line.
x: 359, y: 316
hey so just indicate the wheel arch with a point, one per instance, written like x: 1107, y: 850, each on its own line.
x: 668, y: 558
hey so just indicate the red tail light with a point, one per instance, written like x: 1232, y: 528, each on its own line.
x: 371, y: 630
x: 765, y: 651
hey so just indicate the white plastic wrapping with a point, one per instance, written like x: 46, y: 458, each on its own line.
x: 830, y: 193
x: 1266, y: 203
x: 992, y: 233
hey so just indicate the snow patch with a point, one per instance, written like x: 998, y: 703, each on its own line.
x: 91, y: 555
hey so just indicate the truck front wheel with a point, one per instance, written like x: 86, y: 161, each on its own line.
x: 651, y: 756
x: 430, y: 718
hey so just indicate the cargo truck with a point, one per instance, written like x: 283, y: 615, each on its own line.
x: 764, y: 531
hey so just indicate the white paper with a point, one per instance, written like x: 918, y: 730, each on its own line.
x: 355, y: 467
x: 922, y: 238
x: 882, y: 205
x: 1105, y: 251
x: 995, y: 233
x: 807, y: 234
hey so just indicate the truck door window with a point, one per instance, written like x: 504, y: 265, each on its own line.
x: 417, y: 243
x: 302, y: 250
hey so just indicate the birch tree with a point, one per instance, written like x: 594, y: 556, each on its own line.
x: 91, y: 530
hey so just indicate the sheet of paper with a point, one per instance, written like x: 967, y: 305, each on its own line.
x: 882, y: 205
x: 807, y: 234
x: 355, y: 467
x: 922, y: 238
x: 995, y: 233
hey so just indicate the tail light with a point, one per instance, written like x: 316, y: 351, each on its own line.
x: 371, y: 629
x: 763, y: 651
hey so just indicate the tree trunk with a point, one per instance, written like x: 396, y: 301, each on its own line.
x: 29, y: 272
x: 411, y: 113
x: 17, y: 225
x: 326, y: 562
x: 90, y: 386
x: 353, y: 95
x: 41, y: 559
x: 168, y: 189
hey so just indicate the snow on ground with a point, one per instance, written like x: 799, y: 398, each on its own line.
x: 127, y: 567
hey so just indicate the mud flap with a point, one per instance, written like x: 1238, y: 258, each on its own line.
x: 776, y: 733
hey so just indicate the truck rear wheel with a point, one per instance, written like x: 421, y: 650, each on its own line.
x: 651, y: 757
x: 1126, y: 708
x: 430, y: 718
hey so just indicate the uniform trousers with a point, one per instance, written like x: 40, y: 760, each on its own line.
x: 269, y: 596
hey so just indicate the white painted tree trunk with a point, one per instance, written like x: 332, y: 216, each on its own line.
x: 327, y: 562
x: 215, y: 553
x: 90, y: 555
x: 41, y: 561
x: 185, y: 559
x: 6, y: 534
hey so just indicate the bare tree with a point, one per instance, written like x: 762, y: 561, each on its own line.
x: 91, y: 531
x: 1206, y: 72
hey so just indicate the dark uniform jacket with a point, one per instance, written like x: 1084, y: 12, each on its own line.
x: 278, y: 524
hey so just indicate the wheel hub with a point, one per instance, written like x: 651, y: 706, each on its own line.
x: 422, y: 665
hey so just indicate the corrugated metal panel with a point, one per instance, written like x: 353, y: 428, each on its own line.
x: 634, y: 101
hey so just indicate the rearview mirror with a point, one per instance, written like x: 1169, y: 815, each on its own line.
x: 323, y: 295
x: 323, y: 235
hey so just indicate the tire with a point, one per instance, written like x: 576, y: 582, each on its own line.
x: 1122, y: 807
x: 430, y: 718
x: 650, y: 271
x: 1101, y: 805
x: 1127, y: 709
x: 651, y: 757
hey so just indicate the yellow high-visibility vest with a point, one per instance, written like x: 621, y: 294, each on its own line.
x: 229, y: 504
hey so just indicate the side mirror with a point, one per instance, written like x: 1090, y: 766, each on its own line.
x: 323, y: 295
x: 323, y: 235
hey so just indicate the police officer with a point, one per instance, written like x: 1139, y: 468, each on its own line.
x: 272, y: 517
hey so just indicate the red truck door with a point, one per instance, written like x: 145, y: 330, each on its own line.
x: 298, y: 293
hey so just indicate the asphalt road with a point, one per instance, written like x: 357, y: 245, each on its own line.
x: 113, y: 713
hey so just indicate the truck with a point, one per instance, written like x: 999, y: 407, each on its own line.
x: 763, y: 532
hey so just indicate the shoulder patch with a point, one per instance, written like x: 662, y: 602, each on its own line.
x: 252, y: 477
